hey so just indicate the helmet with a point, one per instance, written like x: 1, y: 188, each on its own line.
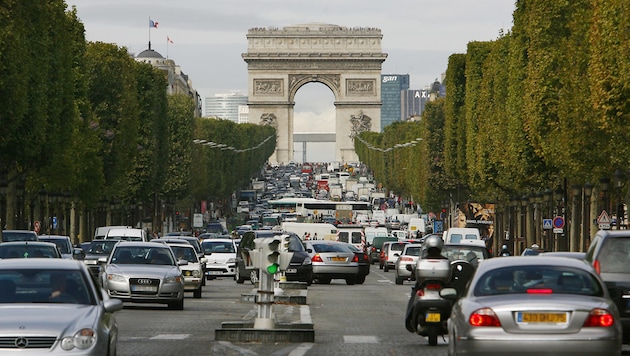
x: 434, y: 241
x: 504, y: 247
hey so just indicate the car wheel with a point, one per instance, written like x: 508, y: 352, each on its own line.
x: 197, y: 293
x: 178, y: 305
x: 399, y: 280
x: 253, y: 276
x: 380, y: 265
x: 351, y: 281
x: 237, y: 276
x: 323, y: 280
x: 385, y: 268
x: 360, y: 279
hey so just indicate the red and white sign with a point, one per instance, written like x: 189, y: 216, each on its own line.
x: 37, y: 226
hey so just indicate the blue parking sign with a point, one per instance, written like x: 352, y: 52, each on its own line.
x: 54, y: 222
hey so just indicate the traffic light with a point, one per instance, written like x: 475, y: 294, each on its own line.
x: 269, y: 248
x: 285, y: 255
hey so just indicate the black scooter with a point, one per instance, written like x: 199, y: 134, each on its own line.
x: 427, y: 312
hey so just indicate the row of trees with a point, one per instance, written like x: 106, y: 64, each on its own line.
x: 85, y: 121
x: 545, y: 106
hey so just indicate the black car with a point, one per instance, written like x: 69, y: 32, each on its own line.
x: 609, y: 254
x: 300, y: 268
x: 364, y: 263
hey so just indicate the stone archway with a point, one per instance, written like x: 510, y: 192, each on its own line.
x: 347, y: 60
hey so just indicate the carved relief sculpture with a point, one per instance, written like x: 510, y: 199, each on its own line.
x: 359, y: 124
x: 269, y: 119
x: 268, y: 87
x: 360, y: 87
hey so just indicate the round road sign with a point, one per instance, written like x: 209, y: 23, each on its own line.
x: 37, y: 226
x: 558, y: 222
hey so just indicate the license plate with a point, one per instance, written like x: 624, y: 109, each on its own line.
x: 291, y: 270
x: 534, y: 318
x: 338, y: 259
x: 215, y: 272
x: 143, y: 289
x: 433, y: 318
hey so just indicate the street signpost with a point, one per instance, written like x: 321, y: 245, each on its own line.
x: 558, y: 225
x: 603, y: 221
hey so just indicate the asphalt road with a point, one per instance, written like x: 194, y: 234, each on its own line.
x: 362, y: 320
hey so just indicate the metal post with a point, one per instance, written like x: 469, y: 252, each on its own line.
x: 586, y: 223
x: 576, y: 190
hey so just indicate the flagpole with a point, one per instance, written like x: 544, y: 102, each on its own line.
x: 166, y: 47
x: 150, y: 32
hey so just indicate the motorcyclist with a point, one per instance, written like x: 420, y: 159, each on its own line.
x: 433, y: 250
x: 504, y: 251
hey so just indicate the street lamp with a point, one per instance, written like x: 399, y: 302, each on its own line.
x: 604, y: 183
x: 619, y: 178
x: 576, y: 191
x: 548, y: 196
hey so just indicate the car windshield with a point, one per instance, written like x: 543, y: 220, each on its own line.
x: 413, y: 251
x: 44, y: 286
x: 463, y: 252
x: 142, y: 255
x: 218, y: 247
x: 537, y: 280
x: 102, y: 247
x: 8, y: 236
x: 614, y: 256
x: 28, y: 251
x: 63, y: 245
x: 185, y: 253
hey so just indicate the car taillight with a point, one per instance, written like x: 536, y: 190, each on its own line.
x: 317, y: 258
x: 433, y: 286
x: 406, y: 259
x: 539, y: 291
x: 484, y: 317
x: 355, y: 258
x: 599, y: 317
x: 597, y: 266
x: 420, y: 292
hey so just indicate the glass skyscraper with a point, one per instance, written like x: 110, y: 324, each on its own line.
x: 225, y: 106
x: 392, y: 86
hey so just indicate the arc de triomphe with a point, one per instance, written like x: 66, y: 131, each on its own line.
x: 346, y: 60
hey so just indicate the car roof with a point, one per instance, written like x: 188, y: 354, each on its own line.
x: 29, y: 243
x: 218, y: 240
x: 47, y: 263
x: 540, y: 260
x: 53, y: 237
x: 141, y: 244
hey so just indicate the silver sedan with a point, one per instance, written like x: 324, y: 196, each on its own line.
x: 534, y: 305
x: 144, y: 272
x: 332, y: 260
x: 51, y: 306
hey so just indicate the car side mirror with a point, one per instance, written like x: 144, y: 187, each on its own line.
x: 203, y: 260
x: 182, y: 263
x: 448, y: 293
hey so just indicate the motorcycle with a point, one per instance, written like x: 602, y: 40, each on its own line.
x: 427, y: 312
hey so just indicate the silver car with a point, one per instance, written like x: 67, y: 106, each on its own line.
x: 534, y: 305
x: 408, y: 256
x: 29, y: 249
x: 51, y: 306
x: 332, y: 260
x: 144, y: 272
x: 192, y: 270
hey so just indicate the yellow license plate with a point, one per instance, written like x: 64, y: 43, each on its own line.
x: 543, y: 317
x: 338, y: 259
x: 433, y: 317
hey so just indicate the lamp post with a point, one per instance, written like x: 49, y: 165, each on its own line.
x: 574, y: 236
x: 604, y: 183
x: 586, y: 221
x: 548, y: 196
x: 559, y: 197
x: 524, y: 223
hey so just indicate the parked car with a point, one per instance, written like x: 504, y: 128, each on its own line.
x: 29, y: 249
x: 332, y: 260
x: 51, y: 306
x: 408, y: 256
x: 609, y: 254
x: 220, y: 257
x: 542, y: 305
x: 389, y: 254
x: 18, y: 235
x: 65, y: 246
x: 144, y: 272
x: 364, y: 263
x: 300, y: 268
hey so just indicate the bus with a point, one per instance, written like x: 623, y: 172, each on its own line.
x: 317, y: 207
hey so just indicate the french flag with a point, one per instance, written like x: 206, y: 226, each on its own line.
x: 153, y: 23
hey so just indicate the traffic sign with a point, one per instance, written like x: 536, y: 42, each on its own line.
x: 603, y: 221
x: 558, y: 222
x: 37, y: 226
x: 547, y: 224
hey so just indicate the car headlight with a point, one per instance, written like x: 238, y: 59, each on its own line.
x: 173, y: 279
x: 83, y: 339
x: 116, y: 278
x: 307, y: 261
x: 196, y: 273
x: 231, y: 260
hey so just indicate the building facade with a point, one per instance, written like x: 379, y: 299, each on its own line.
x: 225, y: 106
x: 392, y: 88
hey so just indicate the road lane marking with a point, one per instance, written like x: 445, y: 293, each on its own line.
x: 170, y: 337
x: 302, y: 349
x: 360, y: 339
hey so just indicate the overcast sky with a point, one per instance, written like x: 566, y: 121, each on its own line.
x: 209, y: 36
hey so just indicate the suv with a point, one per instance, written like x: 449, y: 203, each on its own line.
x: 390, y: 252
x: 609, y: 253
x: 375, y: 248
x: 300, y: 268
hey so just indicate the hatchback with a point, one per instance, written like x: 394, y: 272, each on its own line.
x: 408, y: 256
x: 333, y: 260
x: 389, y: 254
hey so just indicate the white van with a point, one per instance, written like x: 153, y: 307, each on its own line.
x: 127, y: 234
x: 352, y: 234
x: 371, y: 232
x: 463, y: 235
x: 416, y: 227
x: 101, y: 231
